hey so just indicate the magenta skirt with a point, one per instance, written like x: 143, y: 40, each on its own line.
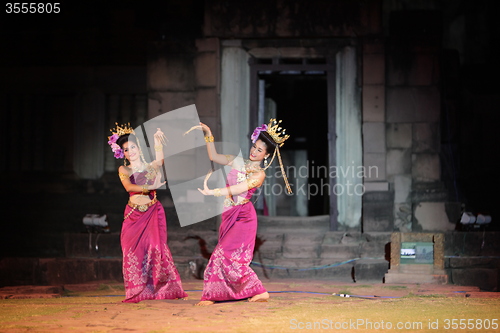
x: 148, y: 268
x: 228, y: 275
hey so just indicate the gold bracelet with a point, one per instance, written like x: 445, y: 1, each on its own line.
x: 158, y: 147
x: 145, y: 189
x: 209, y: 139
x: 251, y: 183
x: 217, y: 192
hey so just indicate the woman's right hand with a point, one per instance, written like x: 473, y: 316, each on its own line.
x: 206, y: 129
x: 157, y: 183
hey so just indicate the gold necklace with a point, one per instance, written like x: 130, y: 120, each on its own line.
x: 138, y: 169
x: 249, y: 169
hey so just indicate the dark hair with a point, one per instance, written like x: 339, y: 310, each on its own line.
x: 125, y: 138
x: 268, y: 141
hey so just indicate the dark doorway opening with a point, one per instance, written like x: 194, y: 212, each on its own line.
x: 301, y: 101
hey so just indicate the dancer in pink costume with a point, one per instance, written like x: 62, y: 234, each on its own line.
x: 148, y: 268
x: 228, y: 275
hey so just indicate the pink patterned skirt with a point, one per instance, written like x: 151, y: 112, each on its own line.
x: 228, y: 275
x: 148, y: 268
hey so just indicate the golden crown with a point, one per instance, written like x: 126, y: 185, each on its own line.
x: 123, y: 129
x: 276, y: 132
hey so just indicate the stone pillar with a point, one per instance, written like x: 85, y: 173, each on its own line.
x: 235, y: 95
x: 413, y: 115
x: 207, y: 83
x: 349, y: 144
x: 377, y: 200
x: 89, y: 149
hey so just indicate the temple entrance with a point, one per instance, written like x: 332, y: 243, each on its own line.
x: 296, y: 90
x: 300, y: 99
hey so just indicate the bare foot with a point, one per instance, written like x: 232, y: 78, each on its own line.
x: 260, y: 297
x: 204, y: 303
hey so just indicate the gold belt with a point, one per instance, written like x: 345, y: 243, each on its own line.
x: 228, y: 202
x: 144, y: 207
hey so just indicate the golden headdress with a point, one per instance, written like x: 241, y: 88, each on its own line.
x: 278, y: 135
x: 122, y: 130
x: 276, y: 132
x: 116, y: 133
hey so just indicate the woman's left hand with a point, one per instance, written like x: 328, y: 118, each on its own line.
x: 160, y: 137
x: 206, y: 190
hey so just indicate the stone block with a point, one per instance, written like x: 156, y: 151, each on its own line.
x: 402, y: 188
x: 181, y: 247
x: 161, y: 102
x: 271, y: 250
x: 484, y: 278
x: 303, y: 238
x: 62, y: 271
x: 339, y: 251
x: 374, y: 166
x: 466, y: 243
x: 172, y: 73
x: 109, y: 269
x: 207, y: 69
x: 373, y: 46
x: 412, y: 104
x: 333, y: 237
x: 425, y: 138
x: 206, y: 101
x: 431, y: 216
x: 423, y: 70
x: 373, y: 68
x: 376, y: 186
x: 373, y: 250
x: 394, y: 276
x: 399, y: 162
x: 19, y: 271
x: 377, y: 216
x: 338, y: 273
x: 399, y: 135
x: 373, y: 103
x: 374, y: 137
x: 300, y: 252
x: 90, y: 245
x: 370, y: 270
x: 207, y: 44
x: 426, y: 167
x: 403, y: 217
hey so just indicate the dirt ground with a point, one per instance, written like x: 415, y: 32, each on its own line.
x: 294, y: 305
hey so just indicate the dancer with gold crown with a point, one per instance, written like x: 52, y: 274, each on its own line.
x: 228, y: 275
x: 148, y: 268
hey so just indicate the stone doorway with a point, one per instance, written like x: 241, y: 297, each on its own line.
x: 300, y: 99
x: 241, y: 65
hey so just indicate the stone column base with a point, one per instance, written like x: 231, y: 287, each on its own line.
x: 422, y: 273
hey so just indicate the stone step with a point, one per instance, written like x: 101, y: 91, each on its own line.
x: 319, y: 223
x: 398, y: 277
x: 416, y: 268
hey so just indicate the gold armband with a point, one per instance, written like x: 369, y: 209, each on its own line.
x: 217, y: 192
x: 158, y: 147
x: 251, y: 183
x: 209, y: 139
x: 122, y: 176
